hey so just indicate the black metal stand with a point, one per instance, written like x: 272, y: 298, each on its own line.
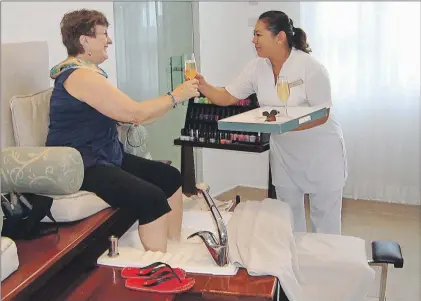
x: 201, y: 130
x: 188, y: 170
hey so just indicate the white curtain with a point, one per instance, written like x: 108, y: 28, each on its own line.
x: 138, y: 42
x: 372, y: 52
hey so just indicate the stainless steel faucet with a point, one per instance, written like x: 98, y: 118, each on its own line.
x: 217, y: 249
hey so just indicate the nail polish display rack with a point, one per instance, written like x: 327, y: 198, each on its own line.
x: 201, y: 127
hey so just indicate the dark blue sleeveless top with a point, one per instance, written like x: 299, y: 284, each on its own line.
x: 75, y: 124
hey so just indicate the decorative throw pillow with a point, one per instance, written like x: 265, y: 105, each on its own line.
x: 30, y: 118
x: 41, y: 170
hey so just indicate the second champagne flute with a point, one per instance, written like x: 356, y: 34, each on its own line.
x: 282, y: 89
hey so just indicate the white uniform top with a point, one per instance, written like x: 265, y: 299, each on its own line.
x: 313, y: 160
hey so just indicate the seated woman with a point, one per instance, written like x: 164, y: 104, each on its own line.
x: 84, y: 111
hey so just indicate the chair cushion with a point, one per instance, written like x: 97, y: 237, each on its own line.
x: 30, y: 118
x: 9, y: 257
x: 76, y: 206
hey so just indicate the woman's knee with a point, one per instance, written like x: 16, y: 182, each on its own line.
x: 173, y: 175
x: 151, y: 205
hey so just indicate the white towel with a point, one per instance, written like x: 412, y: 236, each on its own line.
x: 261, y: 239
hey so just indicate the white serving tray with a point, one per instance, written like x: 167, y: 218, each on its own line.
x: 254, y: 121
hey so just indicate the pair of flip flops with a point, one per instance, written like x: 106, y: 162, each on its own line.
x: 158, y: 277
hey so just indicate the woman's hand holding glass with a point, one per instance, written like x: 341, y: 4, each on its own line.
x: 282, y: 89
x: 186, y: 90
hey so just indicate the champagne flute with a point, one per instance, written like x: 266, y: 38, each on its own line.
x: 282, y: 89
x: 190, y: 69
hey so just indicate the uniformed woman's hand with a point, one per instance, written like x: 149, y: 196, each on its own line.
x: 201, y: 79
x: 186, y: 90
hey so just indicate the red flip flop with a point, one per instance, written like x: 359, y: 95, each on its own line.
x: 168, y: 284
x: 152, y: 271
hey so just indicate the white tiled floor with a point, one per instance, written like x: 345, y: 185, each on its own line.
x: 377, y: 221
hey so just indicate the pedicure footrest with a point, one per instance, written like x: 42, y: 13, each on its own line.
x: 385, y: 252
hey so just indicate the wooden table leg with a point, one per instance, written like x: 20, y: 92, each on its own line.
x: 188, y: 170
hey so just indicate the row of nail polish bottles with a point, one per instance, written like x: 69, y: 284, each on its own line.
x: 213, y: 113
x: 211, y: 135
x: 241, y: 102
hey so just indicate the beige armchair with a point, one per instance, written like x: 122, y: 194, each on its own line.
x: 30, y: 167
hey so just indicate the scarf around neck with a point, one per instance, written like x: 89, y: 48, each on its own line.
x: 75, y: 63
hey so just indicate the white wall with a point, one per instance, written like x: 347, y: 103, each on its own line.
x: 225, y: 47
x: 40, y: 21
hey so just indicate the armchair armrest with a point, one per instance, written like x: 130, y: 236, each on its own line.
x: 389, y: 252
x: 41, y: 170
x: 134, y: 139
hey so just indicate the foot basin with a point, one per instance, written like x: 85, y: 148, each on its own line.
x: 188, y: 254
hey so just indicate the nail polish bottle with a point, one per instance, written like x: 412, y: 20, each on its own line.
x: 187, y: 134
x: 227, y: 138
x: 211, y: 137
x: 216, y: 135
x: 212, y: 114
x: 204, y: 115
x: 201, y: 114
x: 182, y: 136
x: 207, y: 134
x: 240, y: 137
x: 201, y: 137
x: 246, y: 137
x: 252, y: 138
x: 196, y: 113
x: 196, y: 134
x: 208, y: 114
x: 192, y: 135
x: 216, y: 114
x: 221, y: 138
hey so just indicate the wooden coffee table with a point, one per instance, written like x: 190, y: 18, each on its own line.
x: 106, y: 284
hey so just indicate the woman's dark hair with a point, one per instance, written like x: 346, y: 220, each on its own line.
x: 278, y: 21
x: 77, y: 23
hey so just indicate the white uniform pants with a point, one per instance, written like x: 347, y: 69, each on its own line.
x: 325, y: 209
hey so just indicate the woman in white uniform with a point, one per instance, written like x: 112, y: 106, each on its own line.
x: 311, y: 159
